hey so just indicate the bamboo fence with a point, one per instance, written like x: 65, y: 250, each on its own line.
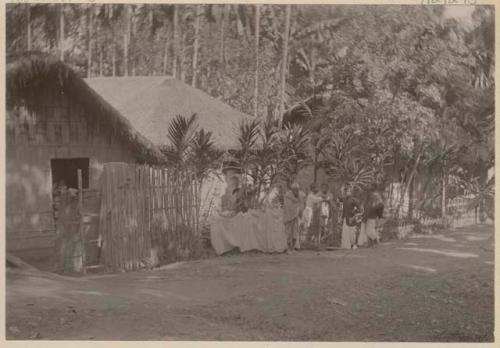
x: 146, y: 213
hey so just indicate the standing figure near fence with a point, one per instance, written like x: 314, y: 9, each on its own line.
x: 351, y: 209
x: 293, y: 207
x: 362, y: 237
x: 374, y: 212
x: 325, y: 208
x: 312, y: 201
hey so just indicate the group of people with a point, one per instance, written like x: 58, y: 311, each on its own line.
x: 309, y: 215
x: 300, y: 209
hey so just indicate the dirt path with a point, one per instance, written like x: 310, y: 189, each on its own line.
x: 437, y: 288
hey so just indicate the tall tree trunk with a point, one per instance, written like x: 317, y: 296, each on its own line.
x: 100, y: 60
x: 89, y: 49
x: 61, y: 32
x: 411, y: 191
x: 28, y: 26
x: 165, y: 58
x: 165, y: 51
x: 315, y: 167
x: 126, y: 38
x: 239, y: 20
x: 224, y: 17
x: 284, y: 64
x: 182, y: 71
x: 270, y: 113
x: 100, y: 46
x: 443, y: 195
x: 483, y: 179
x: 113, y: 57
x: 256, y: 83
x: 152, y: 60
x: 408, y: 181
x: 196, y: 44
x: 175, y: 41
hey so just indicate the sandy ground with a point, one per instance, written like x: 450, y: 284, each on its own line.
x: 424, y: 288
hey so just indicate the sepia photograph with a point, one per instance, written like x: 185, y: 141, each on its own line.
x: 250, y: 172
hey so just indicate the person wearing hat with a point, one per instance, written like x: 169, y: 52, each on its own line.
x: 293, y: 207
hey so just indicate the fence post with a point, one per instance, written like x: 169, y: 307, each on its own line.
x: 80, y: 218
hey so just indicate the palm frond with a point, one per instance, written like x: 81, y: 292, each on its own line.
x: 181, y: 130
x: 248, y: 135
x: 181, y: 133
x: 205, y: 156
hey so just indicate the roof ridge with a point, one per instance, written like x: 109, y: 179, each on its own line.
x: 208, y: 95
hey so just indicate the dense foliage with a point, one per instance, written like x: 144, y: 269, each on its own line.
x: 406, y: 92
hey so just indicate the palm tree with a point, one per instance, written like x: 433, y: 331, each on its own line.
x: 196, y: 43
x: 319, y: 142
x: 293, y: 152
x: 352, y: 171
x: 28, y: 26
x: 190, y: 148
x: 181, y: 133
x: 284, y: 62
x: 224, y: 18
x: 166, y: 13
x: 175, y: 44
x: 126, y: 39
x: 248, y: 135
x: 266, y: 155
x: 256, y: 83
x: 205, y: 156
x: 61, y: 32
x: 345, y: 160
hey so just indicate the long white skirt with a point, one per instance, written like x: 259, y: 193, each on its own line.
x: 307, y: 215
x: 362, y: 238
x: 348, y: 236
x: 371, y: 229
x: 368, y: 231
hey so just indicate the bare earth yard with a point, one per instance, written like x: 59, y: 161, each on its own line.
x: 424, y: 288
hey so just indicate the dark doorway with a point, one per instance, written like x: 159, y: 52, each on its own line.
x: 65, y: 170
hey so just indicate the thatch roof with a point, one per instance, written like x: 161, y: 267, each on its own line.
x: 32, y: 76
x: 151, y: 102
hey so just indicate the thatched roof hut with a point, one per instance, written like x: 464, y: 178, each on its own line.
x: 34, y: 77
x: 151, y: 102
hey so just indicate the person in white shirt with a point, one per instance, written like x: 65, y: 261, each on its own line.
x: 293, y: 207
x: 324, y: 211
x: 313, y: 198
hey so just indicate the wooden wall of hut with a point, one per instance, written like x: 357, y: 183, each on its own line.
x: 54, y: 128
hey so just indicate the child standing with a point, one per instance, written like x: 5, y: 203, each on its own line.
x: 312, y: 200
